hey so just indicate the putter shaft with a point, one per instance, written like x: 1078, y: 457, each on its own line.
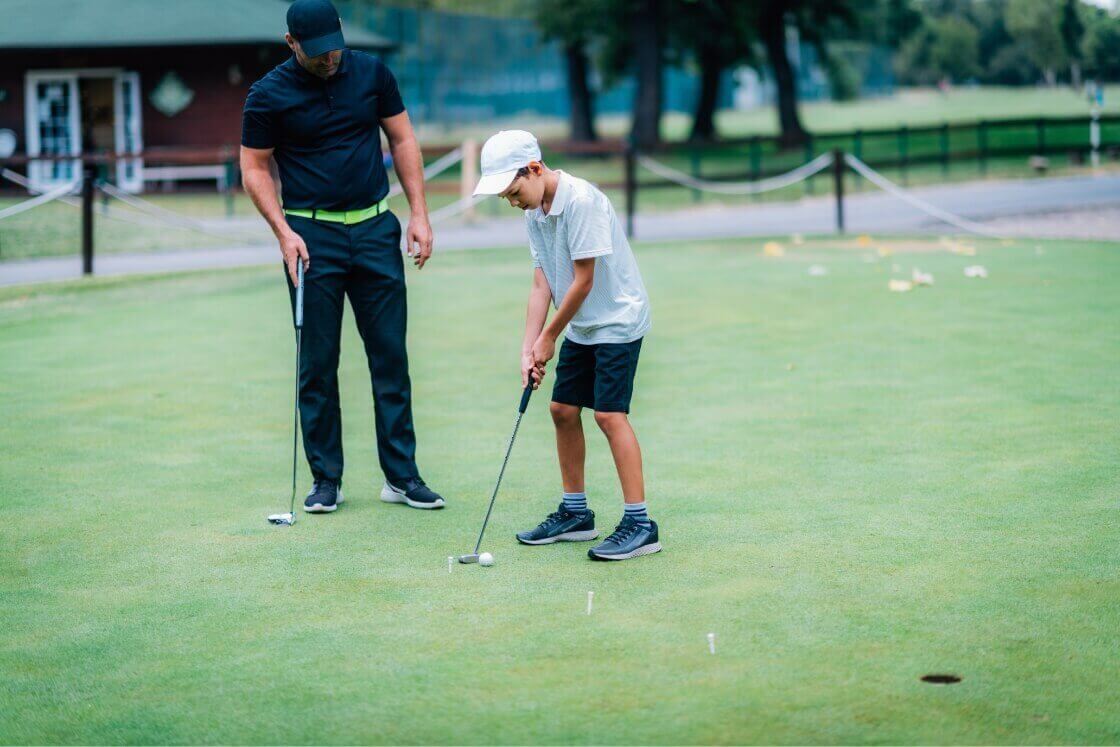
x: 290, y: 518
x: 473, y: 557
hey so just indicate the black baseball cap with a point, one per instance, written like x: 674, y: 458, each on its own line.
x: 316, y: 26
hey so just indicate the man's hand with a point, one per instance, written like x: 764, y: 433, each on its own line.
x: 419, y: 240
x: 528, y: 368
x: 543, y: 350
x: 294, y: 249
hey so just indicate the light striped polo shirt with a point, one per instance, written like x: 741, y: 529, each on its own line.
x: 581, y: 225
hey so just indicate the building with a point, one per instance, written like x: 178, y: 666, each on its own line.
x: 81, y: 77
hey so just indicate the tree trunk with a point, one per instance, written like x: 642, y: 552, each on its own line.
x: 704, y: 121
x: 772, y: 29
x: 646, y: 25
x: 581, y: 117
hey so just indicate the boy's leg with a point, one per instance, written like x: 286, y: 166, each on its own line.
x: 570, y: 445
x: 626, y: 452
x: 637, y: 534
x: 574, y: 390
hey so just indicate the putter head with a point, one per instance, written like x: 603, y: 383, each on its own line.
x: 465, y: 559
x: 282, y: 520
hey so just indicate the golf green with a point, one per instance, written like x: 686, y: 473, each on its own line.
x: 856, y: 488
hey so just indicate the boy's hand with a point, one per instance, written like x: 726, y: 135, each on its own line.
x: 543, y: 350
x: 528, y: 368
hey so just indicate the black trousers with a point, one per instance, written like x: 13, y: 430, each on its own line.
x: 362, y: 261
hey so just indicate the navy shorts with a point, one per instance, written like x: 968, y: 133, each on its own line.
x: 597, y: 376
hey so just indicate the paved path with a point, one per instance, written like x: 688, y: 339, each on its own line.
x: 1050, y: 206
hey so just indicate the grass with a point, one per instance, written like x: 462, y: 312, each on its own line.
x: 856, y: 488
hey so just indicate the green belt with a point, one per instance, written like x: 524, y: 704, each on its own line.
x: 349, y: 217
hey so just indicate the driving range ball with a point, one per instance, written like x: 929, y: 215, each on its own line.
x: 486, y: 559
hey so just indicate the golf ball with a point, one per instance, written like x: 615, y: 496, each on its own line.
x: 486, y: 559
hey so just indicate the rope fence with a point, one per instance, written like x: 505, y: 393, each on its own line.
x: 432, y: 170
x: 788, y: 179
x: 893, y: 189
x: 174, y: 219
x: 42, y: 199
x: 147, y: 214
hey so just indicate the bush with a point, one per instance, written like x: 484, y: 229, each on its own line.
x: 843, y: 79
x: 1102, y: 49
x: 1012, y: 66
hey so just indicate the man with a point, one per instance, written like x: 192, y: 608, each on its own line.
x: 317, y: 115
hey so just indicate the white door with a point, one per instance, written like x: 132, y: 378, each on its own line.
x: 53, y: 121
x: 129, y: 137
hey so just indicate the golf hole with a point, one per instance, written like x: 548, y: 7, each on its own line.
x: 941, y: 679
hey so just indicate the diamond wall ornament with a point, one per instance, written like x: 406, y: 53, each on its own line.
x: 171, y: 95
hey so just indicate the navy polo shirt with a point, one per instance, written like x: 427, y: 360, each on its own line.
x: 325, y: 133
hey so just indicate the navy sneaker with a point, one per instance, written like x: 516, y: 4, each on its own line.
x: 630, y: 539
x: 325, y: 496
x: 412, y: 492
x: 561, y: 526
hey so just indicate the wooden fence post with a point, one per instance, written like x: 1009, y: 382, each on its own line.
x: 944, y: 148
x: 904, y: 152
x: 631, y: 189
x: 982, y: 145
x: 87, y: 218
x: 756, y: 161
x: 468, y: 175
x: 808, y: 157
x: 694, y: 159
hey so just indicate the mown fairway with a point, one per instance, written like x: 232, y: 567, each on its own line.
x: 856, y: 488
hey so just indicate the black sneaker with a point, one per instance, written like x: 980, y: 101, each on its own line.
x: 561, y: 526
x: 412, y: 492
x: 324, y: 497
x: 630, y: 539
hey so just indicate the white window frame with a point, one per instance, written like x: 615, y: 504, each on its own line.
x: 129, y: 172
x: 41, y: 173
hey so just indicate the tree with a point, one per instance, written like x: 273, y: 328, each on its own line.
x: 690, y: 33
x: 772, y: 32
x: 956, y: 48
x: 1036, y: 24
x: 645, y: 19
x: 574, y: 23
x: 1072, y: 30
x: 1102, y: 39
x: 818, y: 21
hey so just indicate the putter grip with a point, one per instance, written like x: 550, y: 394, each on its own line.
x: 525, y: 395
x: 299, y: 294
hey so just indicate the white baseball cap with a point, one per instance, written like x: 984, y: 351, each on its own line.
x: 502, y: 156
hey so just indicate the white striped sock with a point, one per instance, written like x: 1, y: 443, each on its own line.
x: 576, y: 502
x: 637, y: 511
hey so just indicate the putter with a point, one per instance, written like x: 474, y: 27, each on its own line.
x: 473, y: 557
x: 286, y: 520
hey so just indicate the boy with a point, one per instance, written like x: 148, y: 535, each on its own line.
x: 583, y: 264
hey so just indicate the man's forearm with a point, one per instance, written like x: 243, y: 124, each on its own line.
x: 573, y: 299
x: 262, y: 191
x: 408, y: 162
